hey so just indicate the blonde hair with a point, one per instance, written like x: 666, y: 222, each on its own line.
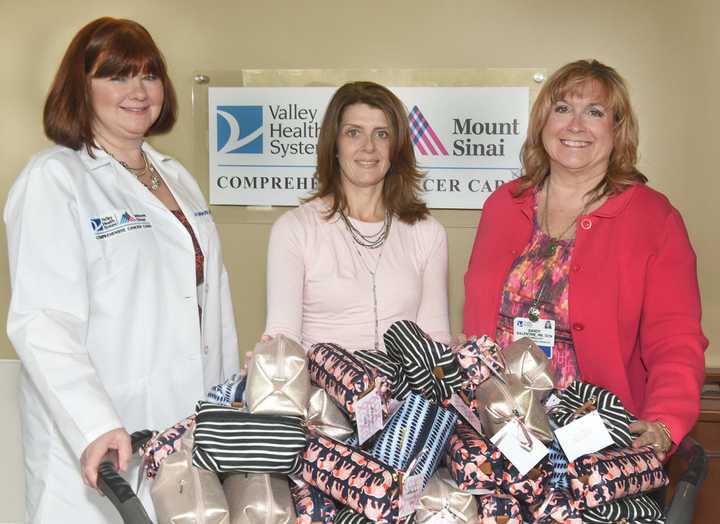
x: 571, y: 78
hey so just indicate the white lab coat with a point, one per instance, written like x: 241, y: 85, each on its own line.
x: 104, y: 314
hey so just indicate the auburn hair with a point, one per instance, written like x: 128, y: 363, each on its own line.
x: 104, y: 48
x: 571, y: 79
x: 401, y: 186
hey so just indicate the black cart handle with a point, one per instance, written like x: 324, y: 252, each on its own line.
x: 118, y: 491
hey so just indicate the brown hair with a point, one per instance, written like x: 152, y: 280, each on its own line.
x: 402, y: 181
x: 570, y: 78
x: 103, y: 48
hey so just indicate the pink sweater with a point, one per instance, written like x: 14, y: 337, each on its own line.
x: 318, y: 289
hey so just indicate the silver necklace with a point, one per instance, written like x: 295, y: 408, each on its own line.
x: 373, y: 274
x: 373, y: 240
x: 155, y: 180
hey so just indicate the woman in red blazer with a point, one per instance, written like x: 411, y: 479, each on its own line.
x: 582, y: 248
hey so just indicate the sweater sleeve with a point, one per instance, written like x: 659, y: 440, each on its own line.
x: 285, y: 278
x: 433, y: 311
x: 672, y: 342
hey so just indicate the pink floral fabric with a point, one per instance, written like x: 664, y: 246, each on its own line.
x: 533, y: 275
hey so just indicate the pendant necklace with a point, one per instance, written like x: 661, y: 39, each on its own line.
x: 551, y: 248
x: 549, y: 251
x: 155, y: 180
x: 360, y: 239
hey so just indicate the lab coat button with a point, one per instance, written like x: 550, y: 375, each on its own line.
x: 206, y: 350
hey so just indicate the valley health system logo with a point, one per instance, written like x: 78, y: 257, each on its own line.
x: 424, y: 136
x: 239, y: 129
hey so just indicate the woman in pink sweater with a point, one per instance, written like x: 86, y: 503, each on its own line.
x: 582, y: 248
x: 363, y: 252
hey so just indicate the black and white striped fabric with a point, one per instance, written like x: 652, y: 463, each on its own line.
x: 230, y: 441
x: 349, y: 516
x: 611, y: 410
x: 391, y: 370
x: 430, y: 366
x: 640, y: 510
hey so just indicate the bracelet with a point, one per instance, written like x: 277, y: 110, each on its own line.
x: 665, y: 431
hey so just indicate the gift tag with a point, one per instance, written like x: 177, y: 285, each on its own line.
x: 542, y: 332
x: 466, y: 413
x: 552, y: 401
x: 442, y: 517
x: 587, y: 434
x: 412, y: 489
x: 508, y: 441
x: 368, y: 416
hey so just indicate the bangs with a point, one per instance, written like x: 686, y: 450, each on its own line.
x: 578, y: 85
x: 127, y: 53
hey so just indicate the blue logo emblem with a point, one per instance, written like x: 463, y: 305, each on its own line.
x: 239, y: 129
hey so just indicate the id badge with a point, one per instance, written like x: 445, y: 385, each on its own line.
x: 542, y: 332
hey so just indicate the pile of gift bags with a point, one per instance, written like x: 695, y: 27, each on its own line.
x: 423, y: 432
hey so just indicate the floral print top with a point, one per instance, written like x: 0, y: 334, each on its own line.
x: 534, y: 276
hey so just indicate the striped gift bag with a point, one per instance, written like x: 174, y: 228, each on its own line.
x: 230, y: 441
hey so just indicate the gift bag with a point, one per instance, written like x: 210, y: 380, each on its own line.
x: 257, y: 498
x: 230, y: 441
x: 391, y: 370
x: 345, y: 377
x: 442, y: 495
x: 229, y: 392
x: 579, y: 398
x: 641, y: 509
x: 479, y: 359
x: 500, y: 401
x: 602, y: 477
x: 312, y: 505
x: 430, y: 366
x: 184, y: 494
x: 164, y: 444
x: 277, y: 379
x: 418, y: 431
x: 324, y: 416
x: 557, y: 507
x: 354, y: 478
x: 499, y: 508
x: 474, y: 463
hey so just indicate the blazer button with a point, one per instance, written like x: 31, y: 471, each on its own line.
x: 578, y: 327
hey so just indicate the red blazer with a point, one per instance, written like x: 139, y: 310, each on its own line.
x: 634, y: 303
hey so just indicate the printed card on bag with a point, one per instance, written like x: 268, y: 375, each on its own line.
x: 508, y: 441
x: 368, y: 415
x: 585, y: 435
x: 410, y: 498
x: 466, y: 413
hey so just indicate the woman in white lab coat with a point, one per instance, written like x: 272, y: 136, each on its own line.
x: 120, y: 309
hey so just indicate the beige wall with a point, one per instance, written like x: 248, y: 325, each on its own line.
x: 667, y: 50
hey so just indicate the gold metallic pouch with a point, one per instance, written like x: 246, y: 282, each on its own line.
x: 326, y: 417
x: 184, y: 494
x: 499, y: 403
x: 525, y: 360
x: 277, y: 380
x: 256, y: 498
x: 441, y: 494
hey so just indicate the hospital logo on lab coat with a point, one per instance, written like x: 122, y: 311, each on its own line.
x: 120, y: 222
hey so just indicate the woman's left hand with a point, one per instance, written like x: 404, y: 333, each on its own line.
x: 651, y: 433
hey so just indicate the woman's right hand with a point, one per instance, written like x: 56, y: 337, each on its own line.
x: 116, y: 441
